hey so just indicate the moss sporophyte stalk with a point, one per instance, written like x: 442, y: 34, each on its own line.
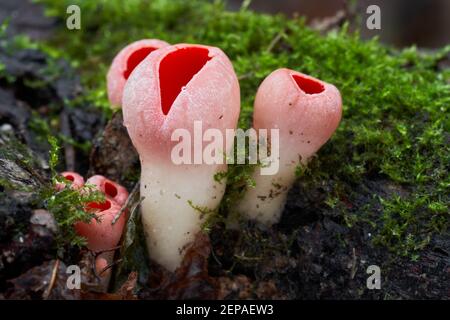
x: 395, y: 102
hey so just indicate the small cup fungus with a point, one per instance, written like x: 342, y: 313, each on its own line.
x: 76, y: 180
x: 124, y: 63
x: 306, y: 111
x: 102, y: 236
x: 112, y: 190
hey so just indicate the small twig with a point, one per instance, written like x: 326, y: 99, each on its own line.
x: 347, y: 13
x: 109, y: 266
x: 245, y: 75
x: 127, y: 203
x: 329, y: 23
x: 69, y: 151
x: 275, y: 40
x: 96, y: 254
x: 136, y: 204
x: 354, y: 265
x: 244, y: 258
x: 213, y: 253
x: 52, y: 280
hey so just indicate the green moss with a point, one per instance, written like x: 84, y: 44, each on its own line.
x: 210, y: 216
x: 409, y: 223
x: 21, y: 169
x: 68, y: 206
x: 395, y: 123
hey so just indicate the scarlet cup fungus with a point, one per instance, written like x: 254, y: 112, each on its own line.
x: 112, y: 190
x: 101, y: 233
x: 169, y: 90
x: 76, y: 180
x: 124, y: 63
x: 102, y: 236
x: 306, y: 111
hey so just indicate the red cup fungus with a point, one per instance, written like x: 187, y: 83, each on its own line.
x: 169, y: 90
x: 124, y: 63
x: 76, y: 181
x: 306, y: 111
x: 103, y: 236
x: 112, y: 190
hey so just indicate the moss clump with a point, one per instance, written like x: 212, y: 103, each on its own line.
x: 68, y: 206
x: 26, y: 174
x: 395, y: 123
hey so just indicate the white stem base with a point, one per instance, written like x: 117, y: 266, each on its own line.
x: 265, y: 202
x: 170, y: 221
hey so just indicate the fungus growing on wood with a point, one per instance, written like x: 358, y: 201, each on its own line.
x: 124, y: 63
x: 306, y: 111
x: 76, y: 181
x: 102, y: 236
x: 112, y: 190
x: 171, y: 89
